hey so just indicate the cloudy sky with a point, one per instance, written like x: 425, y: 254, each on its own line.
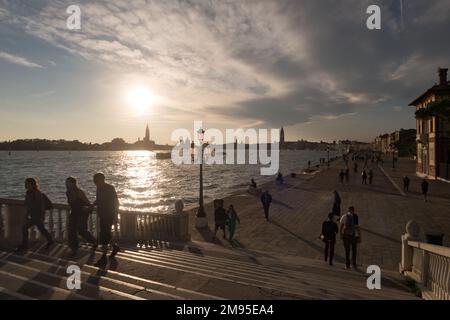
x: 311, y: 66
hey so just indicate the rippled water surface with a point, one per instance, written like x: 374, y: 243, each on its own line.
x: 142, y: 182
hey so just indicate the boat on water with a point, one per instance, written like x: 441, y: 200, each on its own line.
x: 163, y: 155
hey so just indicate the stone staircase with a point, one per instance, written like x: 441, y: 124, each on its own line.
x: 196, y: 271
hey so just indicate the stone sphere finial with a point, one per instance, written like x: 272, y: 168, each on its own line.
x: 179, y: 206
x: 413, y: 230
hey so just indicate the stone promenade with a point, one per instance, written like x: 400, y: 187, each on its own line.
x: 302, y: 204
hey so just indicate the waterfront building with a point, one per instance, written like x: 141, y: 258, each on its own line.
x: 433, y: 129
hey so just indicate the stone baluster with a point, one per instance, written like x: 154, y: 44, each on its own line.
x: 51, y: 227
x: 59, y: 225
x: 412, y: 234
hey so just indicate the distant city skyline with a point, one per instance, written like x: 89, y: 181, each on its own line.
x: 309, y: 66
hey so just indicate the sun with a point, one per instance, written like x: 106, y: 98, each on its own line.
x: 140, y: 98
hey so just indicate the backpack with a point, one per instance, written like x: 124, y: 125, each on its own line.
x: 350, y: 223
x: 48, y: 205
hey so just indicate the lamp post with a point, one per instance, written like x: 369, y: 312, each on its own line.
x: 201, y: 221
x: 393, y: 155
x: 328, y: 157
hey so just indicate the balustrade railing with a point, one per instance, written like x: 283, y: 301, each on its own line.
x: 133, y: 226
x: 426, y: 263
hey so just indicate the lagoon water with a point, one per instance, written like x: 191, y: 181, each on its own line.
x: 143, y: 183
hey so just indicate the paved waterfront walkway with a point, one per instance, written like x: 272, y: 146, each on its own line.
x: 302, y: 205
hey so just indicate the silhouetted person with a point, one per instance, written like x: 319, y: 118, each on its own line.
x: 370, y: 176
x: 347, y: 175
x: 279, y: 178
x: 309, y: 164
x: 36, y: 203
x: 351, y: 235
x: 342, y: 176
x: 424, y: 189
x: 80, y: 208
x: 406, y: 182
x: 253, y: 183
x: 364, y: 177
x: 355, y: 167
x: 336, y: 204
x: 233, y: 219
x: 107, y: 204
x: 329, y: 231
x: 266, y: 200
x: 220, y: 218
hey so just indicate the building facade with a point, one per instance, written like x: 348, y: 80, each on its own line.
x: 433, y: 129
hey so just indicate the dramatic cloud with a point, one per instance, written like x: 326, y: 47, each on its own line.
x: 255, y: 62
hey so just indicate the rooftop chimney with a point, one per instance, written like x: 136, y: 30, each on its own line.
x: 443, y: 76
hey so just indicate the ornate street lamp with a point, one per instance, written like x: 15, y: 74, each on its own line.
x: 201, y: 221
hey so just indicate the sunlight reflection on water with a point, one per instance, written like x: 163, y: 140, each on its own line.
x: 143, y: 183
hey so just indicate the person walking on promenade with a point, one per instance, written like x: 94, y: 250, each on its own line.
x: 80, y: 208
x: 266, y: 200
x: 364, y: 177
x: 347, y: 175
x: 279, y: 178
x: 36, y: 203
x: 351, y: 235
x: 355, y: 167
x: 336, y: 204
x: 328, y: 236
x: 233, y: 219
x: 220, y: 217
x: 370, y: 176
x: 342, y: 176
x: 406, y: 182
x: 425, y: 189
x: 107, y: 204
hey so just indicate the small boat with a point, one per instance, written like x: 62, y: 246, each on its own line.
x: 163, y: 155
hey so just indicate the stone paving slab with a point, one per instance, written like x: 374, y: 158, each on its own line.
x: 302, y: 205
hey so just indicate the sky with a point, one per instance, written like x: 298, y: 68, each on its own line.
x: 310, y: 66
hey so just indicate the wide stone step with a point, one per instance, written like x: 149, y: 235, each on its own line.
x: 173, y: 274
x: 112, y: 279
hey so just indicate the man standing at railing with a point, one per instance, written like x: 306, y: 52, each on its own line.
x: 107, y: 204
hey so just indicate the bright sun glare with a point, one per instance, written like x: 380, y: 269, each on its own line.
x: 140, y: 98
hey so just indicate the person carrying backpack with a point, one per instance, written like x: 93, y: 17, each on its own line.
x: 37, y: 203
x: 351, y: 235
x: 80, y: 208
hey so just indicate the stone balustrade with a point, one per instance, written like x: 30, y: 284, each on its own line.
x: 133, y: 226
x: 427, y: 264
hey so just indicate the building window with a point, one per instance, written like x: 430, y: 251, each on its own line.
x: 431, y: 125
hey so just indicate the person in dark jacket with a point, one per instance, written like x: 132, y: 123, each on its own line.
x: 424, y: 189
x: 220, y: 217
x: 328, y: 236
x: 233, y: 219
x: 364, y: 177
x: 35, y: 201
x: 266, y: 200
x: 336, y: 204
x: 347, y: 175
x: 406, y: 182
x: 342, y: 176
x: 80, y: 208
x: 107, y: 204
x: 370, y: 176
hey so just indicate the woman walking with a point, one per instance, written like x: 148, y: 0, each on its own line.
x: 232, y: 219
x: 36, y: 203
